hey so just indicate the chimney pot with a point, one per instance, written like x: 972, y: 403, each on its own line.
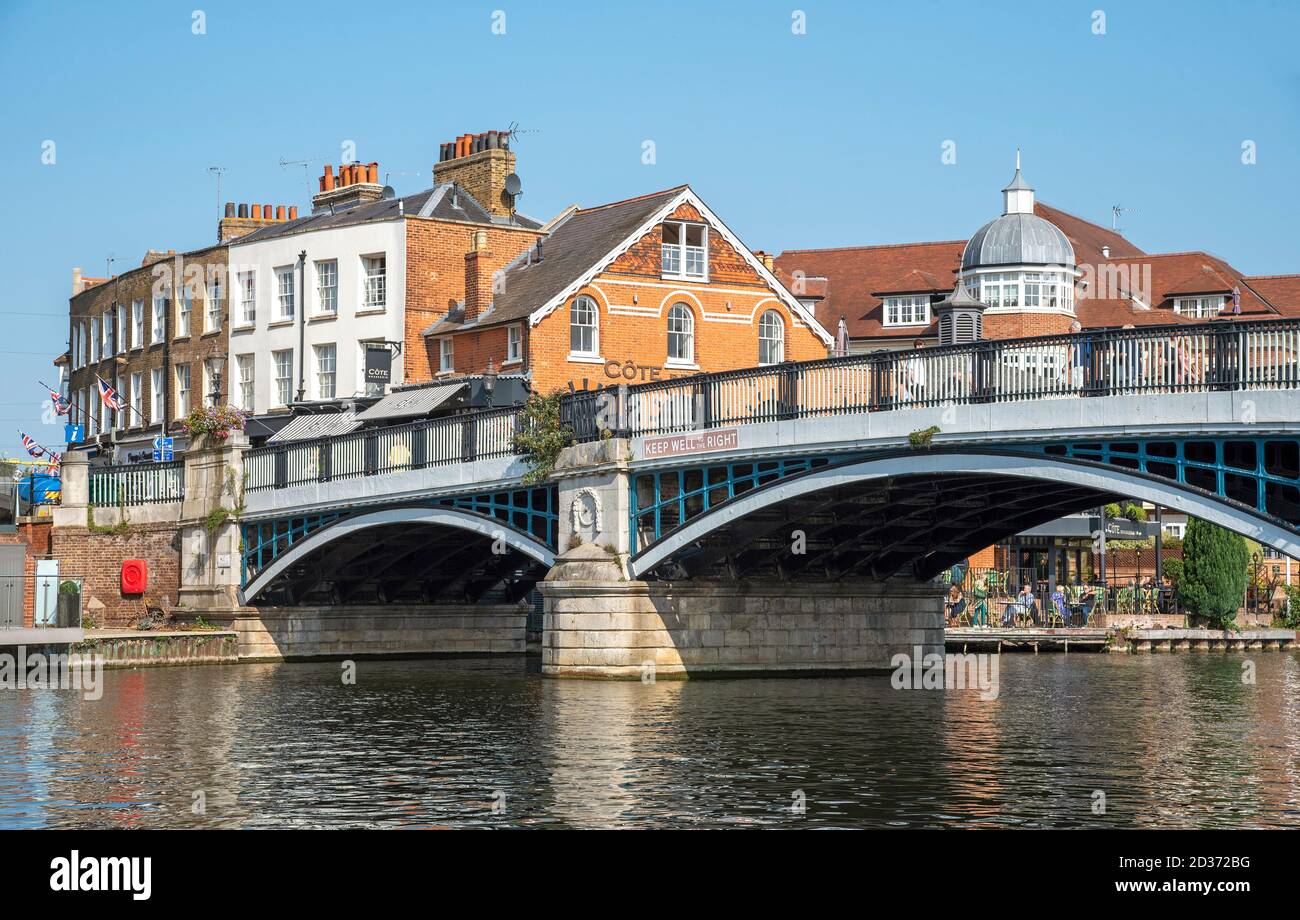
x: 243, y: 209
x: 230, y: 209
x: 373, y: 169
x: 293, y: 212
x: 1105, y: 252
x: 266, y: 212
x: 257, y: 212
x: 328, y: 179
x: 279, y: 212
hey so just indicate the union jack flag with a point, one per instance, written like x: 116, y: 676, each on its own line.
x: 109, y: 396
x: 31, y: 446
x: 61, y: 405
x: 55, y: 459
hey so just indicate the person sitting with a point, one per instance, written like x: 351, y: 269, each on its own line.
x: 1027, y: 602
x: 955, y: 604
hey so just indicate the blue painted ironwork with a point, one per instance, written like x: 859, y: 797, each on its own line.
x: 529, y: 510
x: 1260, y: 473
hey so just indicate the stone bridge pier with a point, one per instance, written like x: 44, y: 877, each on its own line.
x: 601, y: 623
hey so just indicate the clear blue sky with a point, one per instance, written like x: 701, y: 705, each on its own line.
x: 823, y: 139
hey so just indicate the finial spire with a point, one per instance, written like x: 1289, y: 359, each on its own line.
x: 1018, y: 197
x: 1017, y: 159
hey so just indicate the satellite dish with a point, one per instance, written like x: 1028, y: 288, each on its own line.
x: 513, y: 185
x: 387, y: 194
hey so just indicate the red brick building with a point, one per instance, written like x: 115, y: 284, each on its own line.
x: 644, y: 289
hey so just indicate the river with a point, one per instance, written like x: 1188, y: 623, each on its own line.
x: 1169, y: 740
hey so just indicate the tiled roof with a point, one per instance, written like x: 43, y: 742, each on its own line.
x: 1282, y: 291
x: 1175, y: 274
x: 1086, y: 237
x: 573, y: 247
x: 442, y: 202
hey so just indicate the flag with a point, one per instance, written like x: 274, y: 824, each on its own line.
x: 31, y: 446
x: 55, y: 459
x: 61, y: 405
x: 109, y: 396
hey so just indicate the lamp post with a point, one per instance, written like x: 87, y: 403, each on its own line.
x: 490, y: 381
x: 216, y: 363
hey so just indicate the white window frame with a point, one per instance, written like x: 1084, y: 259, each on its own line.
x: 184, y: 390
x: 446, y: 355
x: 1201, y: 306
x: 246, y: 366
x: 514, y: 344
x: 281, y: 384
x: 212, y: 294
x: 327, y: 296
x: 285, y: 293
x: 321, y: 353
x: 136, y: 398
x: 581, y: 305
x: 95, y: 343
x: 248, y: 298
x: 184, y: 313
x: 156, y: 384
x: 158, y: 328
x: 770, y: 321
x: 682, y: 317
x: 678, y: 259
x: 137, y: 324
x: 374, y: 284
x: 907, y: 310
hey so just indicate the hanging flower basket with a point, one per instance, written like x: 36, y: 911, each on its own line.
x: 215, y: 422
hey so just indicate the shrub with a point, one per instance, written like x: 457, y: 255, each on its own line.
x: 217, y: 421
x: 1213, y: 581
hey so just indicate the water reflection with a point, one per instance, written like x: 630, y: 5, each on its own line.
x: 1170, y: 740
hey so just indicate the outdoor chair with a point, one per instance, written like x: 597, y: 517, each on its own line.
x: 1057, y: 615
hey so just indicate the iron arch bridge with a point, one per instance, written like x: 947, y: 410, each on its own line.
x: 894, y: 512
x: 460, y: 549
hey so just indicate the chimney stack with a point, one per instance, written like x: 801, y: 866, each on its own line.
x: 243, y: 218
x: 480, y: 163
x: 357, y: 183
x: 478, y: 277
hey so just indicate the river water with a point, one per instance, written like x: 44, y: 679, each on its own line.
x: 1169, y: 740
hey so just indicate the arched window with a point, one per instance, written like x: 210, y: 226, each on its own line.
x: 583, y: 327
x: 771, y: 338
x: 681, y: 334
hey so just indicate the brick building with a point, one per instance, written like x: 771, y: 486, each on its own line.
x: 1036, y: 269
x: 648, y: 288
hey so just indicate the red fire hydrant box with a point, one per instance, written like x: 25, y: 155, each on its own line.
x: 135, y: 576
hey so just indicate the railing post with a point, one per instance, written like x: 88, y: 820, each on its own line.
x: 788, y: 399
x: 624, y: 422
x: 324, y: 460
x: 370, y: 454
x: 982, y: 377
x: 281, y: 467
x: 419, y: 446
x: 704, y: 404
x: 468, y: 442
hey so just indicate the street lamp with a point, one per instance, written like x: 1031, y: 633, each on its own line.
x: 490, y: 381
x: 216, y: 363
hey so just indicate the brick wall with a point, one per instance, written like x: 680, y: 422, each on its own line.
x: 34, y: 536
x: 97, y: 558
x: 435, y: 280
x: 1023, y: 325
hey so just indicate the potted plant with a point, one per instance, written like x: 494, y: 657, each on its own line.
x: 212, y: 423
x: 68, y: 605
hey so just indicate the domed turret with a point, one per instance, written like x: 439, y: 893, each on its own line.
x: 1019, y: 236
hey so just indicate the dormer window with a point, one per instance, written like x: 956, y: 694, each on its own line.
x: 685, y: 250
x: 913, y: 310
x: 1199, y: 306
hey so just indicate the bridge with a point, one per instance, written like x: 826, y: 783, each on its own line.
x: 778, y: 517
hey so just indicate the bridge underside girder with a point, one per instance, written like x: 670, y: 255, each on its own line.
x: 408, y: 563
x: 908, y: 525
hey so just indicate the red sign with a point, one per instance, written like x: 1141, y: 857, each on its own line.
x: 692, y: 442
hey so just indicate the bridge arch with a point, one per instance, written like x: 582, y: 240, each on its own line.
x: 1048, y: 488
x: 353, y: 535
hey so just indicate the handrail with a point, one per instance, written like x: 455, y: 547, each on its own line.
x: 137, y: 483
x: 1226, y: 355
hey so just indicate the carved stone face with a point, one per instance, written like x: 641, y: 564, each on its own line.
x: 585, y: 515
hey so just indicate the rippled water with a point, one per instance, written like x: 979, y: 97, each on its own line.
x: 1173, y: 740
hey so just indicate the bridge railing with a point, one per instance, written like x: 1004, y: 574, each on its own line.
x: 433, y: 442
x: 1164, y: 359
x: 137, y: 484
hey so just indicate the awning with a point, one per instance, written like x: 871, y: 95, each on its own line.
x: 320, y: 425
x: 412, y: 403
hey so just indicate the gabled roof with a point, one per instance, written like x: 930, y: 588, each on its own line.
x: 1173, y: 274
x: 1281, y: 291
x: 584, y: 244
x: 448, y: 201
x: 1086, y: 237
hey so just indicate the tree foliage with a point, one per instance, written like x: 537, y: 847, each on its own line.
x: 1213, y: 582
x: 542, y: 435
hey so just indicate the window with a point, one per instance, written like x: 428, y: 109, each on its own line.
x: 182, y: 390
x: 325, y: 359
x: 248, y: 298
x: 514, y: 344
x: 214, y: 304
x: 156, y: 395
x: 94, y: 339
x: 583, y: 318
x: 137, y: 324
x: 96, y: 410
x: 1199, y: 306
x: 681, y: 334
x: 244, y: 364
x: 283, y: 363
x: 159, y: 318
x: 74, y: 345
x: 120, y: 344
x: 184, y: 309
x: 110, y: 339
x: 1040, y: 290
x: 327, y: 287
x: 120, y: 415
x: 771, y: 338
x: 913, y: 310
x: 137, y: 397
x: 284, y: 292
x: 446, y: 356
x: 685, y: 250
x: 374, y: 294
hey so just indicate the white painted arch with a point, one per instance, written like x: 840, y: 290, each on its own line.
x: 442, y: 517
x: 1043, y: 468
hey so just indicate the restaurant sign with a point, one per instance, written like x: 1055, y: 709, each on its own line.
x: 691, y: 442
